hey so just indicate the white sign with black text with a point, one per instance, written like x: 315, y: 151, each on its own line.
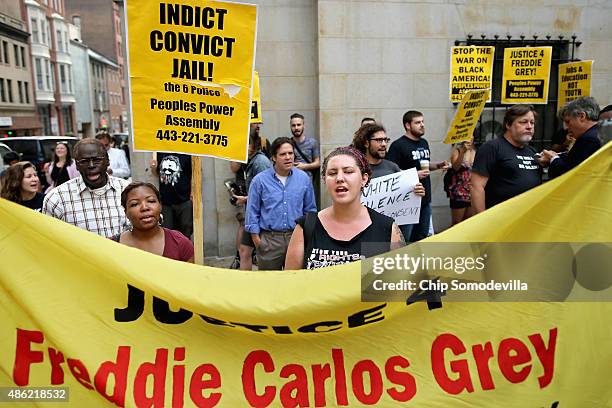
x: 393, y: 195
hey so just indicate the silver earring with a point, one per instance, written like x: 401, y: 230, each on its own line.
x: 161, y: 219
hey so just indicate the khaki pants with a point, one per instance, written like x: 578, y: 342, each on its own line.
x: 272, y: 250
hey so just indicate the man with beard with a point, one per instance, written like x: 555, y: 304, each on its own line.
x: 506, y: 166
x: 174, y: 171
x: 412, y: 150
x: 91, y: 201
x: 307, y: 157
x: 372, y: 140
x: 277, y: 197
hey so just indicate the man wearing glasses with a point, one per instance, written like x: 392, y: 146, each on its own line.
x: 372, y: 141
x: 91, y: 201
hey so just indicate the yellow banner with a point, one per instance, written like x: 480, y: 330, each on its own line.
x: 256, y: 100
x: 191, y: 68
x: 574, y: 81
x: 526, y: 75
x: 471, y: 69
x: 466, y: 117
x: 120, y: 326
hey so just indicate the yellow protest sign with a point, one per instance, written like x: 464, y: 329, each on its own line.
x: 135, y: 329
x: 574, y: 81
x: 526, y: 75
x: 256, y: 100
x: 191, y: 68
x: 471, y: 68
x: 466, y: 117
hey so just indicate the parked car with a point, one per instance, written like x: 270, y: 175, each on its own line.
x: 38, y: 150
x: 4, y: 149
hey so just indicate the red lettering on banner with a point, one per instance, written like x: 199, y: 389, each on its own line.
x: 482, y: 355
x: 512, y: 352
x: 340, y: 374
x: 80, y: 373
x: 57, y: 373
x: 375, y: 386
x: 198, y: 385
x: 546, y: 355
x: 400, y: 378
x: 156, y: 370
x: 119, y: 370
x: 25, y: 356
x: 299, y: 386
x: 454, y: 344
x: 320, y: 373
x: 178, y: 378
x: 248, y: 378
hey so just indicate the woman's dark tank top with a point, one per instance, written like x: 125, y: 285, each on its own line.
x: 321, y: 250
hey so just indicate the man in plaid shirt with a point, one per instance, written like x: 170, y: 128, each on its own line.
x: 91, y: 201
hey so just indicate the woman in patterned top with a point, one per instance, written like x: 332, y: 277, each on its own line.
x: 462, y: 158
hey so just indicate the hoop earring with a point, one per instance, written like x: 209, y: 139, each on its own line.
x: 161, y: 219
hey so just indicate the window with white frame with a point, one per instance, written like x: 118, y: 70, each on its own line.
x: 39, y: 74
x: 35, y: 30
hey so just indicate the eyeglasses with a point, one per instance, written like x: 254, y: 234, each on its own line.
x: 95, y: 160
x: 380, y: 139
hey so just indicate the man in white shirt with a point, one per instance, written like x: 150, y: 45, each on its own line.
x: 91, y: 201
x: 119, y: 166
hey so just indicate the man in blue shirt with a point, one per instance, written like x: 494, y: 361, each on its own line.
x: 278, y: 196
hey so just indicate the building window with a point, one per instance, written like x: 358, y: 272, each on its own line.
x: 23, y: 58
x: 67, y: 117
x: 63, y: 82
x: 5, y: 52
x: 9, y: 88
x: 43, y: 30
x: 20, y: 92
x: 34, y: 28
x: 39, y: 74
x: 26, y: 90
x: 45, y: 117
x: 69, y: 68
x: 48, y: 75
x: 53, y: 87
x: 59, y: 41
x: 17, y: 59
x: 2, y: 92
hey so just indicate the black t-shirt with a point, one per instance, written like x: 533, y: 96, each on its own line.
x: 384, y: 168
x: 321, y: 250
x: 511, y: 170
x: 35, y: 203
x: 174, y: 177
x: 407, y: 153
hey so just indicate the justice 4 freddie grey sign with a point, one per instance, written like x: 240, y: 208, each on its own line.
x: 393, y: 195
